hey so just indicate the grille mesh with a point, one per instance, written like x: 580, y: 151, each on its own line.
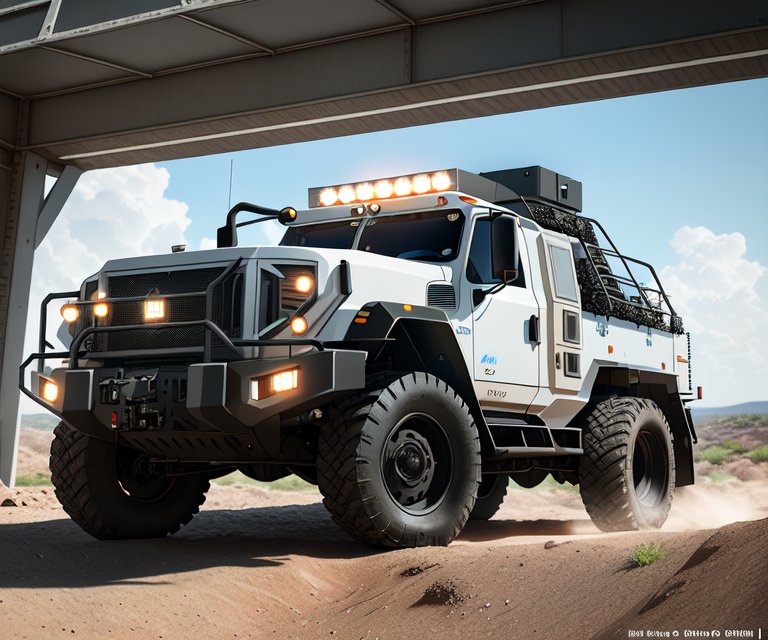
x: 442, y: 296
x: 181, y: 309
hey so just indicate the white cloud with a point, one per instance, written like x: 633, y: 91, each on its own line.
x: 112, y: 213
x: 714, y: 289
x: 207, y: 243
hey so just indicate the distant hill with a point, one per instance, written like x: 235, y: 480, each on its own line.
x: 39, y: 421
x: 745, y: 408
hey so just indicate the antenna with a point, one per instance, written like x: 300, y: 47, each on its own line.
x: 231, y: 167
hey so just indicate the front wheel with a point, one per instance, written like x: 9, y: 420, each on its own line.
x: 109, y: 491
x: 399, y: 464
x: 490, y: 496
x: 627, y: 471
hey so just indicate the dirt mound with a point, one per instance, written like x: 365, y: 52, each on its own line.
x: 706, y: 592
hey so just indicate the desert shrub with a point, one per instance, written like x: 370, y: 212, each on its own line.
x: 716, y: 454
x: 647, y: 553
x: 733, y: 445
x: 38, y: 479
x: 758, y: 455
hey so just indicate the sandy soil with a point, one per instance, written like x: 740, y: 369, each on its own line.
x: 266, y: 564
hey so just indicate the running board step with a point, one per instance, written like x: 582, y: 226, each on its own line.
x: 516, y: 437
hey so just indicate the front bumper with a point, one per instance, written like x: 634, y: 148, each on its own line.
x: 213, y: 397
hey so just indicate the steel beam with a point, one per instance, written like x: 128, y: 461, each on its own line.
x: 27, y: 215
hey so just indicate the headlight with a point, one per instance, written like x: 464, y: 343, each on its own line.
x: 70, y: 313
x: 266, y: 386
x: 299, y: 325
x: 154, y: 310
x: 101, y: 309
x: 50, y: 391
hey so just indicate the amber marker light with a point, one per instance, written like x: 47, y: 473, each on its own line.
x: 50, y: 391
x: 329, y: 197
x: 422, y: 184
x: 70, y: 313
x: 364, y: 191
x: 383, y: 189
x: 299, y: 325
x: 403, y: 187
x: 441, y: 181
x: 304, y: 284
x: 101, y: 309
x: 346, y: 194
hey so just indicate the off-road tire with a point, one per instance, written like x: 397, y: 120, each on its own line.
x: 86, y: 481
x: 356, y: 460
x: 627, y: 471
x: 490, y: 495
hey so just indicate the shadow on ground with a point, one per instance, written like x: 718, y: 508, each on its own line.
x: 57, y: 553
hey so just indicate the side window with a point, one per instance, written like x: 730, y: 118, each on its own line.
x: 479, y: 265
x: 562, y: 271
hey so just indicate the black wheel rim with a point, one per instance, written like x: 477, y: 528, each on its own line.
x: 135, y: 478
x: 650, y: 469
x: 416, y: 464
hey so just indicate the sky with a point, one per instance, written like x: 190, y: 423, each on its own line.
x: 679, y: 179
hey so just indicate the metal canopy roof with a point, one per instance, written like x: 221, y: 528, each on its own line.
x: 96, y: 83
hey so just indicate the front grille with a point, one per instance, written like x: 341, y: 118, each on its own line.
x: 181, y: 309
x: 442, y: 296
x: 162, y: 282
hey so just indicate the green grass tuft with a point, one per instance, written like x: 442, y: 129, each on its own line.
x: 289, y: 483
x: 718, y: 476
x: 38, y: 479
x: 716, y: 454
x: 758, y: 455
x: 647, y: 553
x: 733, y: 445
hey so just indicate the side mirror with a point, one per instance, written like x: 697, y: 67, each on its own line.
x: 505, y: 256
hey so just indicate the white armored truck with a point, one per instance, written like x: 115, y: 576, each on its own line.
x: 412, y: 344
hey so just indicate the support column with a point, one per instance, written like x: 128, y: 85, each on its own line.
x: 28, y: 216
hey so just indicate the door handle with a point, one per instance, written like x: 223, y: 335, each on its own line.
x: 534, y: 334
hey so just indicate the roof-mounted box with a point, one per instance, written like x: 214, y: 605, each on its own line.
x: 541, y: 183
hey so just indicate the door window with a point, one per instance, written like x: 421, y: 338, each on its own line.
x: 480, y: 264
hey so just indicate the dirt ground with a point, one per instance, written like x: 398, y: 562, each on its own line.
x: 257, y: 563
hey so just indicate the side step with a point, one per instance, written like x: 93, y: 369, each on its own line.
x: 524, y: 436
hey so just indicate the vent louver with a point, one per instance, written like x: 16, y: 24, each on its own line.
x: 442, y: 296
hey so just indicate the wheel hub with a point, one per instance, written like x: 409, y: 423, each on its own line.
x: 409, y: 466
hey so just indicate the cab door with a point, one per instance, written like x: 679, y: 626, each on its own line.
x: 504, y: 323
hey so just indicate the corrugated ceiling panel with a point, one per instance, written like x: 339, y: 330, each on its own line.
x: 424, y: 9
x: 75, y: 14
x: 157, y: 45
x: 35, y: 70
x: 599, y: 25
x: 486, y: 42
x: 309, y: 74
x: 276, y: 23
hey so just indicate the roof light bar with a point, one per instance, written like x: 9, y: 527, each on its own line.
x: 384, y: 188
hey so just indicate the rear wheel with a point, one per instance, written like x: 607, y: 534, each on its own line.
x: 627, y: 471
x: 490, y: 495
x: 399, y: 464
x: 111, y: 493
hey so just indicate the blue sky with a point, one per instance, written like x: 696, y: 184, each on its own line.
x: 678, y: 178
x: 649, y: 164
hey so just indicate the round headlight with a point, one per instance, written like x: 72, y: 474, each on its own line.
x: 304, y: 284
x: 70, y: 313
x: 101, y: 309
x: 299, y: 325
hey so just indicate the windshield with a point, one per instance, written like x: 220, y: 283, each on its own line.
x: 433, y: 236
x: 328, y: 235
